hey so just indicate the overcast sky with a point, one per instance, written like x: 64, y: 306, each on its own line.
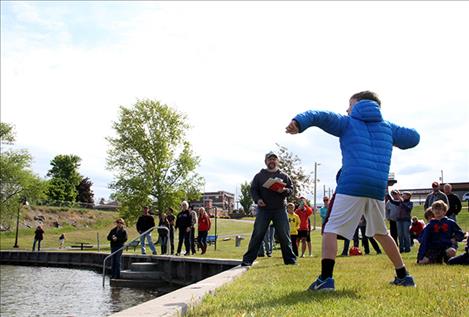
x: 240, y: 71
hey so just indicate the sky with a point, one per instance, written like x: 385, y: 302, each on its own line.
x: 240, y: 71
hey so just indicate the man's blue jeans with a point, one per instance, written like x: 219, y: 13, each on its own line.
x: 279, y: 219
x: 404, y: 235
x: 150, y: 243
x: 267, y: 243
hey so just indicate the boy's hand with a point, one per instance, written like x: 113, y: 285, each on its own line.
x: 292, y: 128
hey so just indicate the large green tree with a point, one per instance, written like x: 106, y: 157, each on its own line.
x: 291, y: 164
x: 17, y: 181
x: 152, y: 161
x: 64, y: 178
x: 245, y: 199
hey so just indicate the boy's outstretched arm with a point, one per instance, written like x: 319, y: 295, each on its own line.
x: 404, y: 138
x: 330, y: 122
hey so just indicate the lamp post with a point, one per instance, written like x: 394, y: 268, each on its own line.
x: 23, y: 202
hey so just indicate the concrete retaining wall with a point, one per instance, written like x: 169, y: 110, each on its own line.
x: 177, y: 270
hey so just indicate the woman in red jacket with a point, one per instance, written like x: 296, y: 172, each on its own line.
x: 204, y: 226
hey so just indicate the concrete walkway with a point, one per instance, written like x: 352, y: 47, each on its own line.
x: 177, y: 303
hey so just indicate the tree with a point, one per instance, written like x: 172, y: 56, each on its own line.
x: 152, y: 160
x: 85, y: 194
x: 245, y: 199
x: 17, y: 181
x: 64, y: 178
x: 291, y: 164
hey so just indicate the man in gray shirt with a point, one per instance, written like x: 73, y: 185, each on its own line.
x: 435, y: 195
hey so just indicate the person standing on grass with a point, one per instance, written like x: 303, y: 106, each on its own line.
x: 454, y: 203
x: 403, y: 221
x: 392, y: 209
x: 38, y: 237
x: 435, y: 195
x: 304, y: 212
x: 365, y: 240
x: 144, y: 223
x: 117, y: 236
x: 294, y: 222
x: 194, y: 223
x: 61, y: 241
x: 204, y: 227
x: 366, y: 142
x: 323, y: 209
x: 184, y: 224
x: 171, y: 221
x: 163, y: 233
x: 271, y: 206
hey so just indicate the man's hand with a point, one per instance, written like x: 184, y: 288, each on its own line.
x: 292, y: 128
x: 261, y: 203
x: 188, y: 229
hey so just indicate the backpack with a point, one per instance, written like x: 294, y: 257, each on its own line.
x: 355, y: 251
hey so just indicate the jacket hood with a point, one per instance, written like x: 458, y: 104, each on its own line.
x: 367, y: 110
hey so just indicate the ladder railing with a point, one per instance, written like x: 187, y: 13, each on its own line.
x: 128, y: 243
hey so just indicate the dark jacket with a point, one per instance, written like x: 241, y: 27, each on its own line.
x: 184, y: 220
x: 405, y: 208
x: 163, y: 223
x: 39, y: 234
x: 438, y: 234
x: 272, y: 199
x: 454, y: 205
x: 121, y: 237
x: 144, y: 223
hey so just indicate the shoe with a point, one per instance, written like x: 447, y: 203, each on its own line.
x: 177, y: 254
x: 322, y: 285
x: 154, y: 253
x: 406, y: 281
x: 269, y: 255
x: 260, y: 255
x: 246, y: 264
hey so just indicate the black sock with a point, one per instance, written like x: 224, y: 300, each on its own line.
x: 402, y: 272
x: 327, y: 266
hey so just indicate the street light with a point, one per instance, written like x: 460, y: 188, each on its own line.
x: 23, y: 202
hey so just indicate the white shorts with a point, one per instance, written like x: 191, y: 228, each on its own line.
x: 347, y: 211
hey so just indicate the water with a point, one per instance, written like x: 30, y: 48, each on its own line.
x: 48, y: 291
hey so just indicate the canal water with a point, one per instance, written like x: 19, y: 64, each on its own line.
x: 48, y: 291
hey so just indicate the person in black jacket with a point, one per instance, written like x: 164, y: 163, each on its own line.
x: 454, y: 203
x: 269, y: 190
x: 38, y: 237
x: 144, y: 223
x: 117, y: 236
x: 184, y: 224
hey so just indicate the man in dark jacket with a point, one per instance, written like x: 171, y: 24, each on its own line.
x: 144, y: 223
x: 117, y: 236
x: 184, y: 224
x: 269, y: 190
x: 454, y: 203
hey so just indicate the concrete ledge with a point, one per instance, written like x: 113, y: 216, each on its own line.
x: 177, y: 303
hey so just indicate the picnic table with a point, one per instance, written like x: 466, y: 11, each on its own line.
x: 82, y: 245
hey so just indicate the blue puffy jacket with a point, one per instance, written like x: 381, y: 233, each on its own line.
x: 366, y: 141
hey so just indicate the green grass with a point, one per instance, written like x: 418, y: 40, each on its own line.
x: 273, y: 289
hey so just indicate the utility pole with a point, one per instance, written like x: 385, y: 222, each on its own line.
x: 441, y: 178
x: 314, y: 194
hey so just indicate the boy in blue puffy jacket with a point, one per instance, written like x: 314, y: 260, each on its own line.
x: 366, y: 142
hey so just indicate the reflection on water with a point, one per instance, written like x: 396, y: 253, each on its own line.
x: 49, y: 291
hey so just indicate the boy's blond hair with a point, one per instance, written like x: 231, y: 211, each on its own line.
x: 440, y: 205
x: 291, y: 205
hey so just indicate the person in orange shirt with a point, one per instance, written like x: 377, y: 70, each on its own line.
x: 303, y: 211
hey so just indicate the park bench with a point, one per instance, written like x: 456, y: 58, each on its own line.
x: 211, y: 239
x: 82, y: 245
x: 133, y: 244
